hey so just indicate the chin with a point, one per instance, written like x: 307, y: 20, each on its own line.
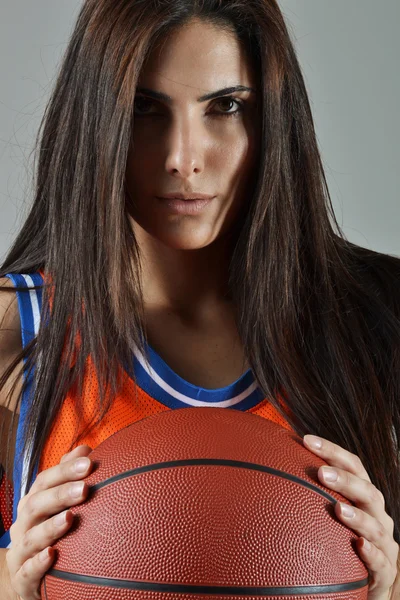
x: 178, y: 235
x: 185, y: 243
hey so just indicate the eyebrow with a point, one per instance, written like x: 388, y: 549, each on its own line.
x: 211, y: 96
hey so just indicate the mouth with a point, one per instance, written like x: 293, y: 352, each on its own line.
x: 186, y: 197
x: 185, y: 206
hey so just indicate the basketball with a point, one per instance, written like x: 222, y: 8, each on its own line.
x: 199, y: 503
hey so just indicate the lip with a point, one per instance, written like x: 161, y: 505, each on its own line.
x: 179, y: 196
x: 185, y: 207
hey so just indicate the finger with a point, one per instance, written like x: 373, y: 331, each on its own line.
x: 26, y: 581
x: 49, y: 479
x: 382, y: 573
x: 45, y: 504
x: 368, y: 527
x: 363, y: 493
x: 70, y: 470
x: 337, y: 456
x: 82, y: 450
x: 37, y: 538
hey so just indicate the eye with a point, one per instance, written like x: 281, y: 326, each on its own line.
x: 142, y: 105
x: 141, y: 102
x: 229, y: 100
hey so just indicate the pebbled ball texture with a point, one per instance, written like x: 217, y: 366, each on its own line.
x: 206, y: 502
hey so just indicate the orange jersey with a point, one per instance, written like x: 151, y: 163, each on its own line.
x: 158, y: 388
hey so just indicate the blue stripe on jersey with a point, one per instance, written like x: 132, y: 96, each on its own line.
x: 5, y: 540
x: 162, y: 383
x: 29, y: 304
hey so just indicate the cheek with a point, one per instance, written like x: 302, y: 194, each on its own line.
x: 141, y: 158
x: 142, y: 169
x: 238, y: 159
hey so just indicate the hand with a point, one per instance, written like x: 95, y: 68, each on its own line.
x: 370, y: 519
x: 30, y: 557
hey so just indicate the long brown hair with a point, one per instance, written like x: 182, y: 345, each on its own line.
x: 318, y: 316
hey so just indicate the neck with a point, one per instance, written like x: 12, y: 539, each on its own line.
x: 187, y: 282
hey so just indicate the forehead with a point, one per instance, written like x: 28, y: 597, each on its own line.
x: 198, y: 56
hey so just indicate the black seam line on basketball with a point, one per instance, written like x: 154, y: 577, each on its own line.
x: 212, y: 461
x: 174, y: 588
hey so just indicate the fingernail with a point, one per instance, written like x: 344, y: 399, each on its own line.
x: 347, y: 511
x: 329, y: 474
x: 61, y: 518
x: 76, y: 489
x: 313, y: 441
x: 366, y: 545
x: 82, y: 464
x: 44, y: 555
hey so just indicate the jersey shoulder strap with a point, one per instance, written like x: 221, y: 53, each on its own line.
x: 29, y: 307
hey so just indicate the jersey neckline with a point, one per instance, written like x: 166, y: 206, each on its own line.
x: 160, y: 381
x: 157, y: 360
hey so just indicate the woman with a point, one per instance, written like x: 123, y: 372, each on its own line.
x: 138, y: 286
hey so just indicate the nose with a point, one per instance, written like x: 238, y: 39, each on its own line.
x: 186, y: 143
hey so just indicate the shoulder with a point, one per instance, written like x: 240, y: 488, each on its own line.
x: 10, y: 329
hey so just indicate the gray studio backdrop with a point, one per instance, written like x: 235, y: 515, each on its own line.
x: 349, y: 52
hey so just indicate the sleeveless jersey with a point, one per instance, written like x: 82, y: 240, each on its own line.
x: 158, y: 388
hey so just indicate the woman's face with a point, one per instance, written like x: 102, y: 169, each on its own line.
x: 186, y: 143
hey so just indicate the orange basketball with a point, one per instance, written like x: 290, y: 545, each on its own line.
x: 199, y: 503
